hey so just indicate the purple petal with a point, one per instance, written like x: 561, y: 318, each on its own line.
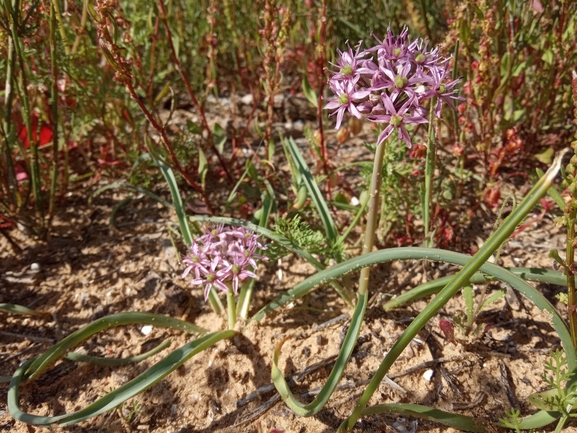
x: 385, y: 134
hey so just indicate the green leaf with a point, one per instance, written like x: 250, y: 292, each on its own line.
x: 546, y: 156
x: 310, y: 94
x: 175, y: 193
x: 193, y: 128
x: 553, y: 192
x: 314, y: 192
x: 469, y: 296
x: 131, y: 187
x: 336, y: 373
x: 493, y: 298
x: 111, y: 400
x: 505, y: 64
x: 111, y: 362
x: 432, y: 287
x: 19, y: 309
x: 202, y: 167
x: 548, y: 57
x: 517, y: 114
x: 59, y: 350
x: 546, y: 400
x: 139, y: 160
x: 460, y: 422
x: 219, y: 135
x: 519, y: 68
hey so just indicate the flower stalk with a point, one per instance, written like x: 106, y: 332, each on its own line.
x: 429, y: 172
x: 371, y: 228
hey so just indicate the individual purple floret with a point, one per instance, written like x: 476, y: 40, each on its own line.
x: 391, y: 83
x: 223, y: 257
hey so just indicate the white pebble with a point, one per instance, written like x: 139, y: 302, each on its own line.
x: 428, y: 375
x: 146, y: 329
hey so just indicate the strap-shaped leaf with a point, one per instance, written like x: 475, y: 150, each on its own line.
x: 314, y: 191
x: 454, y: 420
x: 111, y: 400
x: 112, y: 362
x: 337, y: 372
x: 434, y: 286
x: 59, y: 350
x: 19, y: 309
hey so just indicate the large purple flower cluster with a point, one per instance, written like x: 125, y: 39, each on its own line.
x: 393, y: 88
x: 223, y: 257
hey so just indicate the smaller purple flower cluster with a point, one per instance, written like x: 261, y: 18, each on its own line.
x: 393, y: 88
x: 223, y: 257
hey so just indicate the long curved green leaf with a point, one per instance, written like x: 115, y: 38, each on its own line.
x: 336, y: 373
x: 111, y: 362
x: 454, y: 420
x: 19, y: 309
x: 410, y: 253
x: 59, y: 350
x: 131, y: 187
x: 111, y: 400
x: 314, y: 191
x: 176, y: 199
x: 434, y: 286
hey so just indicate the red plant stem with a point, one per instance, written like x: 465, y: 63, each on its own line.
x: 167, y: 145
x: 191, y: 92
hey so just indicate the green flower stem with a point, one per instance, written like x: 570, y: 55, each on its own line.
x: 215, y: 301
x: 492, y: 244
x: 429, y: 172
x: 372, y: 215
x: 569, y: 261
x: 230, y: 308
x: 244, y: 298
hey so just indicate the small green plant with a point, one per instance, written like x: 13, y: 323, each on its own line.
x: 512, y: 419
x: 466, y: 322
x: 300, y: 233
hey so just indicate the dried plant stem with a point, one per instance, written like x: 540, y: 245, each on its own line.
x: 371, y: 227
x: 54, y: 109
x: 569, y: 261
x: 191, y: 93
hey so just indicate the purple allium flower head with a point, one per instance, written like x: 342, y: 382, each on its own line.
x: 391, y: 83
x: 223, y: 257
